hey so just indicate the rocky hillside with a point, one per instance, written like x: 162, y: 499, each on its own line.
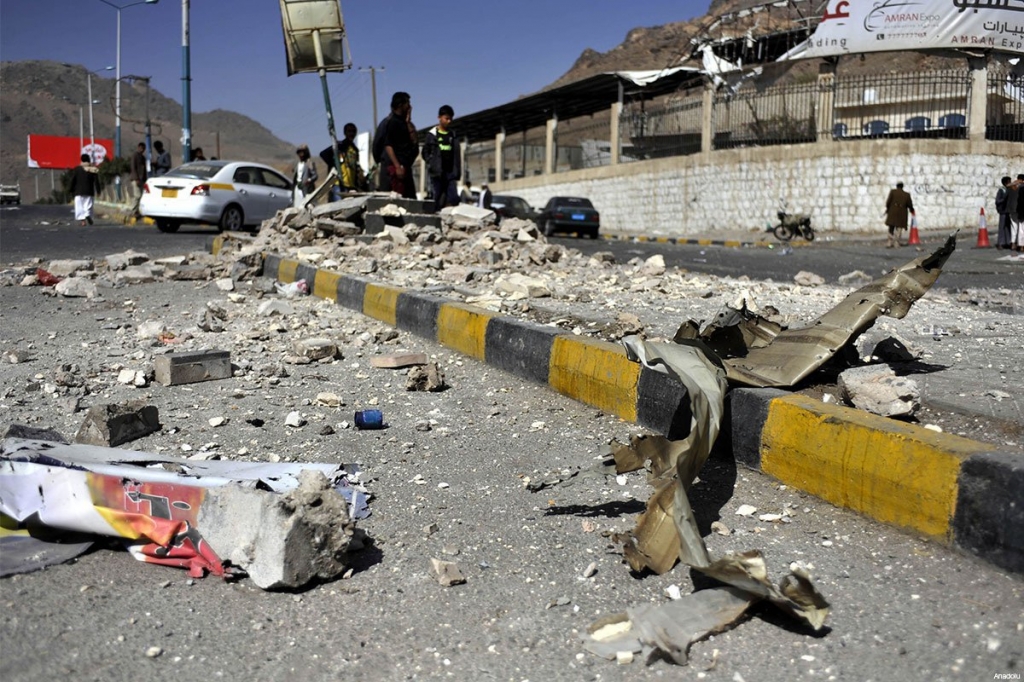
x: 44, y: 97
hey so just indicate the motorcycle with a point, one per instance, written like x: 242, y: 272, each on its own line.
x: 798, y: 225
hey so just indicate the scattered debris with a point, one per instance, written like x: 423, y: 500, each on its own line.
x: 398, y: 360
x: 447, y: 572
x: 173, y: 369
x: 427, y: 377
x: 113, y: 425
x: 877, y: 389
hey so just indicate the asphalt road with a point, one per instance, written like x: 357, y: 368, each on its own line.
x: 967, y: 268
x: 903, y: 608
x: 49, y: 232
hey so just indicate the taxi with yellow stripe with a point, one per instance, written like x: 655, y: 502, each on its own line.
x: 232, y: 195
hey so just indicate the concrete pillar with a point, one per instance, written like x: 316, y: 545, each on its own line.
x: 499, y: 156
x: 977, y: 112
x: 826, y: 101
x: 615, y: 114
x: 706, y: 119
x: 421, y: 182
x: 462, y: 159
x: 549, y: 145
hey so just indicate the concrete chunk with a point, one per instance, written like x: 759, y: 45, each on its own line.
x: 398, y: 360
x: 191, y: 367
x: 281, y: 541
x: 112, y: 425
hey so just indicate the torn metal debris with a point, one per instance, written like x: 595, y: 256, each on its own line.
x: 741, y: 347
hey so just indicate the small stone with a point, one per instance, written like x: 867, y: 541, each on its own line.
x: 294, y: 419
x: 217, y: 421
x: 590, y: 570
x: 154, y: 652
x: 746, y: 510
x: 720, y: 528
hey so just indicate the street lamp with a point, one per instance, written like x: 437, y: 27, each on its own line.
x: 117, y: 92
x: 92, y: 137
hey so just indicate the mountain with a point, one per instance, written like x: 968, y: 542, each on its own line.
x: 45, y: 98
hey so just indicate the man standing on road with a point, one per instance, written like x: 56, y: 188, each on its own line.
x: 897, y: 205
x: 401, y: 146
x: 84, y: 181
x: 138, y: 175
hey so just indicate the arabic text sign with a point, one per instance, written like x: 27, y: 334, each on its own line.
x: 855, y: 26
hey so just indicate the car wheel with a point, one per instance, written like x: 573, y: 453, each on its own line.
x: 593, y: 233
x: 232, y: 219
x: 165, y: 225
x: 549, y: 228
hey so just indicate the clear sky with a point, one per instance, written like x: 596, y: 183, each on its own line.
x: 471, y: 55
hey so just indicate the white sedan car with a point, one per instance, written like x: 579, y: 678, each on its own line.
x: 228, y: 194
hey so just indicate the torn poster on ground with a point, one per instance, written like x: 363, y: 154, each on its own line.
x: 186, y: 513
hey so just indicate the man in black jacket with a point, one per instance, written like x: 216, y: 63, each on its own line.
x: 442, y: 156
x: 84, y: 182
x: 401, y: 146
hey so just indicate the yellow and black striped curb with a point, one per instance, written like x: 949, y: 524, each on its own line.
x: 954, y: 490
x: 960, y: 492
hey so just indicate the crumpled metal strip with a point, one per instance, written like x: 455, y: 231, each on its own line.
x: 795, y: 353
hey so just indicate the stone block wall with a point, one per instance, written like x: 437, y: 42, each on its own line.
x: 842, y: 185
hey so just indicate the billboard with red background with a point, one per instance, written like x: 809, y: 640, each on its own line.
x: 51, y: 151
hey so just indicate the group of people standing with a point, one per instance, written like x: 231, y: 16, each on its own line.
x: 395, y: 148
x: 1010, y: 207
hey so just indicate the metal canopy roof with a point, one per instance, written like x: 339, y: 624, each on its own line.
x: 581, y: 98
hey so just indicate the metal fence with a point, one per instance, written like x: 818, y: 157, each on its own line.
x: 927, y: 104
x: 583, y: 143
x: 782, y: 114
x: 1005, y: 107
x: 649, y: 130
x: 523, y: 153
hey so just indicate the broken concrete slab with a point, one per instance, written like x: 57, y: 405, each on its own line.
x: 427, y: 377
x: 398, y: 360
x: 877, y: 389
x: 77, y: 287
x: 120, y: 261
x: 114, y: 424
x: 281, y: 541
x: 69, y: 267
x: 447, y: 572
x: 192, y: 367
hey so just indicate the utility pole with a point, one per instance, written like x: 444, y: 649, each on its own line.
x: 373, y: 92
x: 186, y: 87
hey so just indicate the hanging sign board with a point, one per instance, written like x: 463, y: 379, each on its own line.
x: 857, y: 26
x: 306, y: 22
x: 52, y: 151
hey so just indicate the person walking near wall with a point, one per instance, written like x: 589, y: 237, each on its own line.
x: 138, y: 176
x: 85, y: 180
x: 897, y: 206
x: 442, y: 156
x: 1015, y: 207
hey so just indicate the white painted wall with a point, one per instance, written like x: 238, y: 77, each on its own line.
x: 841, y: 185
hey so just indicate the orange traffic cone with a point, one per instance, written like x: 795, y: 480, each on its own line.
x: 914, y: 237
x: 982, y: 232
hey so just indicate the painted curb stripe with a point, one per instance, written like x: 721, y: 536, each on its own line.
x: 895, y: 473
x: 597, y: 373
x: 325, y: 285
x: 380, y: 302
x: 351, y: 292
x: 286, y: 270
x: 463, y: 328
x: 418, y: 313
x: 520, y: 348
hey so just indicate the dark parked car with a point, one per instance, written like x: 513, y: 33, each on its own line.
x: 569, y: 214
x: 508, y: 206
